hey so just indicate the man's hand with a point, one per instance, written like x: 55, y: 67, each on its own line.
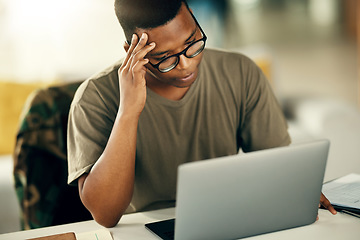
x: 326, y: 204
x: 132, y: 82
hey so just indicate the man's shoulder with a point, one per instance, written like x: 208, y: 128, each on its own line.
x: 107, y: 72
x: 104, y: 81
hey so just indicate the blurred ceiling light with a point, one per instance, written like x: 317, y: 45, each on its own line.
x: 246, y: 4
x: 323, y: 12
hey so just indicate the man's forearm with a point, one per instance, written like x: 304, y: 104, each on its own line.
x: 107, y: 190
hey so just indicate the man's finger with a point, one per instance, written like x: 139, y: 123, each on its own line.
x: 131, y: 48
x: 139, y: 70
x: 142, y: 53
x: 326, y: 204
x: 141, y: 43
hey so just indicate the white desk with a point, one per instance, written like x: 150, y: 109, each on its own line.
x: 131, y: 226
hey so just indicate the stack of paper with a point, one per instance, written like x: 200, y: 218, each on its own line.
x: 344, y: 193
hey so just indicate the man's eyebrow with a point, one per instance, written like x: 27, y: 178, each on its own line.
x: 191, y: 35
x: 157, y: 53
x: 154, y: 54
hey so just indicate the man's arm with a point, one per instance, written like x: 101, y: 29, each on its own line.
x: 106, y: 191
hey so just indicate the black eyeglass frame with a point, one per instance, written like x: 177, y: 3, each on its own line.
x: 183, y: 52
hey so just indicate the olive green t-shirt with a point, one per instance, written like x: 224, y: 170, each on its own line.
x: 229, y: 106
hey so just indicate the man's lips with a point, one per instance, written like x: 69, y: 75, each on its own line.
x: 187, y: 78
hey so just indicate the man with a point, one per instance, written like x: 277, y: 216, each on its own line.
x: 168, y: 102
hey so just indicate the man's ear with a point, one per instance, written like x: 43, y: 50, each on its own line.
x: 126, y: 46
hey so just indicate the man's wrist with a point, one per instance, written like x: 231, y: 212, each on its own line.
x: 128, y: 115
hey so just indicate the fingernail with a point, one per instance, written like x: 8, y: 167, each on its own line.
x: 143, y: 35
x: 152, y: 44
x: 133, y: 38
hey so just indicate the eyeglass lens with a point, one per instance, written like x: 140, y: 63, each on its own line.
x: 193, y: 50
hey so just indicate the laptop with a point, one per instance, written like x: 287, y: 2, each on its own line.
x: 248, y: 194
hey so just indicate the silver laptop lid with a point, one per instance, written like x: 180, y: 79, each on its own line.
x: 244, y: 195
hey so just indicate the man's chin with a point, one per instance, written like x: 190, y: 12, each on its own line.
x: 181, y: 85
x: 178, y: 83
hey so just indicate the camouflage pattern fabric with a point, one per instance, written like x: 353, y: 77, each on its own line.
x: 40, y: 161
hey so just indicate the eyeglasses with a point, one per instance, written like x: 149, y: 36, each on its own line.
x: 194, y: 49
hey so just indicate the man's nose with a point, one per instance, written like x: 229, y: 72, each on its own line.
x: 184, y: 62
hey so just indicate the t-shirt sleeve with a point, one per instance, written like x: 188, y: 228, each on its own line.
x: 263, y: 123
x: 89, y: 127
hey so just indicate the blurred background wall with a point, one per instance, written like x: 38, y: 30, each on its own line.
x: 306, y: 47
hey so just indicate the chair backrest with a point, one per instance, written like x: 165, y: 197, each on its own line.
x: 40, y: 160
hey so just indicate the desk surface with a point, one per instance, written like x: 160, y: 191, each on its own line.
x: 131, y: 226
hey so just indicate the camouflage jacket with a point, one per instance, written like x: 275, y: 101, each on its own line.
x: 40, y: 160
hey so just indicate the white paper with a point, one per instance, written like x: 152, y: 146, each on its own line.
x: 344, y: 191
x: 100, y: 234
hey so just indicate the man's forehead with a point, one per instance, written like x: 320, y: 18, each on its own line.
x: 161, y: 49
x: 176, y: 32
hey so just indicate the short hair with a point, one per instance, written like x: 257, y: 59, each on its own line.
x: 145, y: 14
